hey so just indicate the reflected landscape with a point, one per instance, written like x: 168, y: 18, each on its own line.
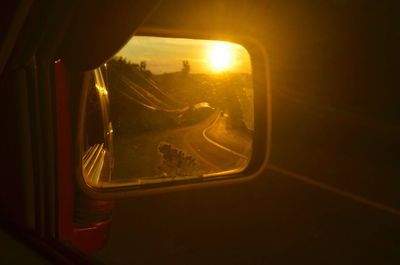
x: 179, y: 109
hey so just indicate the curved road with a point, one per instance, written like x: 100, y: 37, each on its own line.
x: 214, y: 146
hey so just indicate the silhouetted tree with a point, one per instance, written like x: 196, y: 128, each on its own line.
x: 185, y: 67
x: 142, y: 66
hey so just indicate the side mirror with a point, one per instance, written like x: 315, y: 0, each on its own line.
x: 166, y: 112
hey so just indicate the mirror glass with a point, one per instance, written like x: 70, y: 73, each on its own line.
x: 179, y: 109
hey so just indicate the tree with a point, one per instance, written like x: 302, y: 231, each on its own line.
x: 142, y: 66
x: 185, y: 67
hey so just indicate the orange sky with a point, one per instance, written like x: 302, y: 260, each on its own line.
x: 164, y: 55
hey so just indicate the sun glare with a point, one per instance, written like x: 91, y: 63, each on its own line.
x: 220, y: 57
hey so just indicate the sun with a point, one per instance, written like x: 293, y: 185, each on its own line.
x: 220, y: 57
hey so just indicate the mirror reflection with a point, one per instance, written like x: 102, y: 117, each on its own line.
x: 179, y: 109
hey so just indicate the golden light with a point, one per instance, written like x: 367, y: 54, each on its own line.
x: 220, y: 57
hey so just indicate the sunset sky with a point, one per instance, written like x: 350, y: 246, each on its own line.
x: 164, y: 55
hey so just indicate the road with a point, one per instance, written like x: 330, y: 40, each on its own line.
x: 333, y: 147
x: 214, y: 147
x: 345, y: 150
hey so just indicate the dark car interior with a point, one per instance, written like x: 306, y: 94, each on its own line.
x: 322, y: 184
